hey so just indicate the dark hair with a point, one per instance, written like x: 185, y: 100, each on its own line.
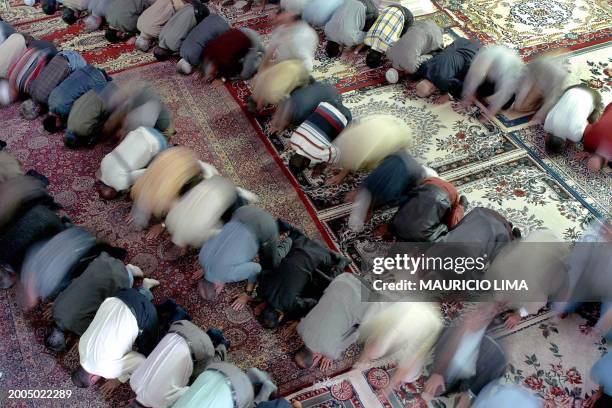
x: 297, y: 163
x: 71, y: 140
x: 69, y: 16
x: 374, y: 59
x: 332, y: 49
x: 555, y: 144
x: 516, y: 233
x: 2, y: 144
x: 270, y: 318
x: 81, y: 378
x: 49, y: 6
x: 111, y: 35
x: 50, y: 124
x: 306, y: 356
x: 161, y: 54
x: 56, y: 340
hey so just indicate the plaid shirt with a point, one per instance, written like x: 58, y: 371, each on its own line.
x: 386, y: 30
x: 51, y: 76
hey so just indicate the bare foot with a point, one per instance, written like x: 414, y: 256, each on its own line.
x: 149, y: 283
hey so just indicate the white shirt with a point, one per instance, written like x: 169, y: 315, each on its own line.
x: 105, y: 349
x: 568, y: 118
x: 121, y: 167
x: 196, y: 217
x: 295, y: 41
x: 161, y: 380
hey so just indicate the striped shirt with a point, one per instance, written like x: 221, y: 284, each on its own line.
x: 386, y: 30
x: 313, y: 138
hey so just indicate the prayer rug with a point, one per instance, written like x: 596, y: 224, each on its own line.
x: 533, y: 26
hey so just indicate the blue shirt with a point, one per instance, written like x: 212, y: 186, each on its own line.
x: 228, y: 257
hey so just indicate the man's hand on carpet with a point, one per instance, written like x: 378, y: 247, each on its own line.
x: 434, y: 385
x: 582, y: 155
x: 240, y: 301
x: 512, y: 320
x: 108, y: 388
x: 259, y: 308
x: 197, y: 275
x: 155, y: 231
x: 74, y: 348
x: 337, y: 179
x: 589, y: 403
x: 48, y: 312
x: 324, y: 363
x: 463, y: 400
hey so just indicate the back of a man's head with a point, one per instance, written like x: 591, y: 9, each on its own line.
x: 304, y: 357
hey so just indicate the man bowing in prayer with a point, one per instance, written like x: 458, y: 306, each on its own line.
x: 228, y: 257
x: 179, y: 358
x: 106, y: 347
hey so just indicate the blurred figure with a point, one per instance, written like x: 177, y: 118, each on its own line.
x: 25, y: 70
x: 429, y: 211
x: 235, y: 53
x: 318, y: 12
x: 122, y: 18
x: 543, y: 85
x: 65, y: 95
x: 415, y: 46
x: 405, y: 330
x: 97, y: 13
x: 73, y: 10
x: 539, y: 259
x: 348, y: 25
x: 223, y: 385
x: 196, y: 41
x: 303, y: 102
x: 196, y: 217
x: 10, y: 51
x: 597, y: 141
x: 292, y: 289
x: 172, y: 172
x: 228, y: 257
x: 392, y: 22
x: 312, y: 140
x: 35, y: 224
x: 9, y: 165
x: 105, y: 349
x: 482, y: 233
x: 495, y: 74
x: 136, y: 105
x: 293, y: 39
x: 48, y: 265
x: 578, y: 107
x: 19, y: 192
x: 368, y: 141
x: 279, y: 403
x: 179, y: 358
x: 61, y: 65
x: 447, y: 69
x: 465, y: 359
x: 332, y: 325
x: 88, y: 115
x: 274, y: 84
x: 505, y: 396
x: 178, y: 27
x: 601, y: 375
x: 388, y: 184
x: 294, y: 6
x: 151, y: 21
x: 6, y: 30
x: 120, y: 168
x: 75, y: 307
x: 589, y: 269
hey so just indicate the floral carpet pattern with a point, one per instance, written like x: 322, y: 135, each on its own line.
x: 500, y: 165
